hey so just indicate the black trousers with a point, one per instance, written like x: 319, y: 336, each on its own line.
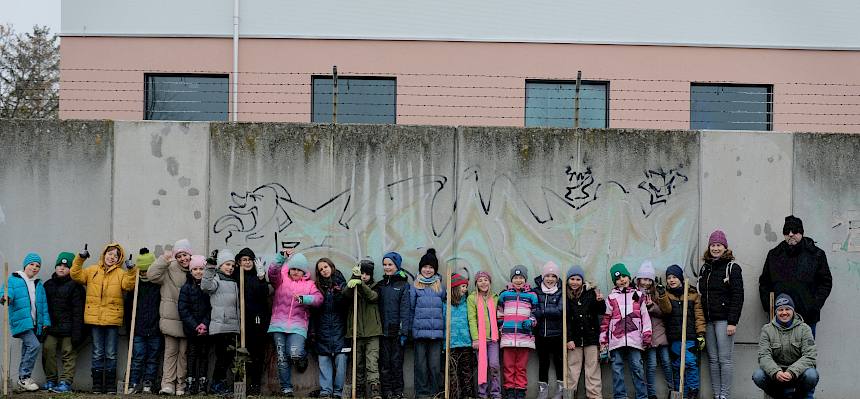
x: 198, y: 356
x: 549, y: 348
x: 223, y: 355
x: 391, y: 365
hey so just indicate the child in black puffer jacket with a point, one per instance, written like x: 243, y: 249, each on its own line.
x: 195, y: 312
x: 548, y: 334
x: 66, y: 333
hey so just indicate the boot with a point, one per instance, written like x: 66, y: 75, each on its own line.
x: 543, y: 390
x: 110, y: 381
x: 98, y: 382
x: 191, y: 386
x: 521, y: 394
x: 201, y: 386
x: 559, y: 390
x: 374, y: 391
x: 510, y: 393
x: 693, y: 394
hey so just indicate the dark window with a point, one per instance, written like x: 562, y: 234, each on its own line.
x: 359, y: 100
x: 551, y: 104
x: 731, y: 107
x: 186, y: 97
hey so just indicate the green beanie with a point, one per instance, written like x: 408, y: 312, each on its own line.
x: 65, y: 259
x: 144, y: 261
x: 618, y: 270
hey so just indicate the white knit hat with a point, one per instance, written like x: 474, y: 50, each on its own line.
x: 182, y: 245
x: 225, y: 255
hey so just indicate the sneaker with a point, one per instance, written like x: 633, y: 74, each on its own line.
x: 147, y: 387
x: 166, y: 390
x: 133, y: 388
x: 27, y: 384
x: 219, y: 388
x: 49, y: 386
x: 287, y: 393
x: 62, y: 387
x: 180, y: 391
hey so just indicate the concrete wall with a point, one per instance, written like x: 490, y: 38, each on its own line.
x: 485, y: 198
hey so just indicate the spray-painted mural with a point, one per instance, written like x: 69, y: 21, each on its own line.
x: 487, y: 200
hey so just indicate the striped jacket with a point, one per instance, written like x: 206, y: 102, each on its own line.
x: 514, y: 313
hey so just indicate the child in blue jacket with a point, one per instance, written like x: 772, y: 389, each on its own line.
x: 463, y: 361
x: 28, y: 315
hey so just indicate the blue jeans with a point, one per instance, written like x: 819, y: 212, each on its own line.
x: 801, y: 386
x: 288, y: 347
x: 691, y: 368
x: 30, y: 347
x: 651, y: 357
x: 332, y: 366
x: 720, y: 347
x: 104, y: 347
x: 144, y: 359
x: 634, y: 360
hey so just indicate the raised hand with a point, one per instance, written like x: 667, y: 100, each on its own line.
x: 84, y: 254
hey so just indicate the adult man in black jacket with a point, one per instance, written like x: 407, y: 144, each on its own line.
x: 797, y: 267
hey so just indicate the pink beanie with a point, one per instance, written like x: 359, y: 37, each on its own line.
x: 550, y: 268
x: 197, y: 261
x: 718, y: 237
x: 483, y: 274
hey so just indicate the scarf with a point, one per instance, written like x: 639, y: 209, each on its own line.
x: 428, y: 280
x: 482, y: 335
x: 547, y: 290
x: 31, y: 291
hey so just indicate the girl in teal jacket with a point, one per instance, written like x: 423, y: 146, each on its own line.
x: 28, y: 315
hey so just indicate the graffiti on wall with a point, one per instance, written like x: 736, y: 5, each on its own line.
x: 499, y: 218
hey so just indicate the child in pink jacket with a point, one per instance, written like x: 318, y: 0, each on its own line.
x: 295, y: 293
x: 625, y: 331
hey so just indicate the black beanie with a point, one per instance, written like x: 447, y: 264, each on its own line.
x: 245, y: 252
x: 429, y: 258
x: 792, y: 224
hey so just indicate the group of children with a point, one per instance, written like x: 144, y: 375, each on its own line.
x: 189, y: 305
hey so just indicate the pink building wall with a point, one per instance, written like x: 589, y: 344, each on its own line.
x: 103, y: 77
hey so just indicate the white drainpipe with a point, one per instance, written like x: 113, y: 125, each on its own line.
x: 235, y: 60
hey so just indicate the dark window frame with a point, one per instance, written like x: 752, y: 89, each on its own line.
x: 146, y: 91
x: 768, y: 87
x: 351, y: 77
x: 605, y: 83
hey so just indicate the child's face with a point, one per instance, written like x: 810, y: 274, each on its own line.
x: 184, y: 259
x: 32, y: 269
x: 550, y: 280
x: 324, y: 268
x: 111, y: 257
x: 388, y: 267
x: 62, y: 271
x: 227, y: 267
x: 483, y: 284
x: 645, y: 283
x: 246, y: 263
x: 296, y: 274
x: 673, y: 281
x: 197, y: 272
x: 518, y: 281
x: 365, y: 277
x: 464, y: 289
x: 574, y: 282
x: 622, y: 282
x: 717, y: 249
x: 427, y: 271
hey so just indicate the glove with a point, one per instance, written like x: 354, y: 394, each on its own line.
x: 701, y: 343
x: 279, y: 259
x: 129, y: 263
x: 356, y: 270
x: 352, y: 283
x: 661, y: 289
x: 527, y: 324
x: 402, y: 340
x: 306, y: 299
x: 475, y: 345
x: 84, y: 254
x: 213, y: 258
x: 260, y: 267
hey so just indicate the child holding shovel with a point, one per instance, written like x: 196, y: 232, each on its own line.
x: 671, y: 303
